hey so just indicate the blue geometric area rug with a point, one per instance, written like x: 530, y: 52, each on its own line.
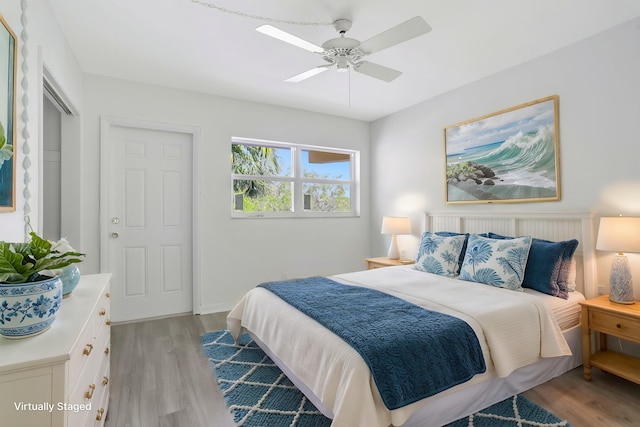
x: 260, y: 395
x: 514, y: 411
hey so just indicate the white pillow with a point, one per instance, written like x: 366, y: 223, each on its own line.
x: 495, y: 262
x: 573, y: 273
x: 439, y: 255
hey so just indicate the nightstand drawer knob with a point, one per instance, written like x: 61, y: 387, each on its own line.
x: 618, y: 325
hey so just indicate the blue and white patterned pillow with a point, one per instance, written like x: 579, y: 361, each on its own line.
x: 498, y: 263
x: 439, y: 254
x: 464, y: 245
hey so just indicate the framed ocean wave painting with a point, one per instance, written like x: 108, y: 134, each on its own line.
x: 8, y: 58
x: 505, y: 157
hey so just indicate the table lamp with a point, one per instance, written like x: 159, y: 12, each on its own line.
x: 620, y: 234
x: 395, y: 225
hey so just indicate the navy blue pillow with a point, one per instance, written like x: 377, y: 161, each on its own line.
x: 548, y: 265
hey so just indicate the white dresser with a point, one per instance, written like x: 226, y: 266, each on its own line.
x: 61, y: 377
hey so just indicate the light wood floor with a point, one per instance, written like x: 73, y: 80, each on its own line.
x: 160, y: 377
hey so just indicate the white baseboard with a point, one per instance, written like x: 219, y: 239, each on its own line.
x: 124, y: 322
x: 216, y: 308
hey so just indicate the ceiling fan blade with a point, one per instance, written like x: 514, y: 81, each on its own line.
x: 289, y: 38
x: 378, y: 71
x: 414, y: 27
x: 310, y: 73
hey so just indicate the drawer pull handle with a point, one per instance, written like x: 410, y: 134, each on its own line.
x: 102, y: 312
x: 87, y: 349
x: 108, y: 322
x: 99, y: 416
x: 105, y: 380
x: 106, y: 350
x: 618, y: 325
x: 89, y: 394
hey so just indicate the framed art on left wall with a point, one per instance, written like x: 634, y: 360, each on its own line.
x: 8, y: 61
x: 507, y: 156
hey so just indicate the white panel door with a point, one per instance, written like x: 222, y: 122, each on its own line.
x: 150, y: 222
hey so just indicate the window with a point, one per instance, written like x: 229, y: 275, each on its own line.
x: 275, y: 179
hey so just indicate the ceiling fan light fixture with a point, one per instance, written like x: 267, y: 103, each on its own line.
x: 342, y: 64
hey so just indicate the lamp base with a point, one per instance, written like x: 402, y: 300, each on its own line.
x: 394, y: 252
x: 621, y: 284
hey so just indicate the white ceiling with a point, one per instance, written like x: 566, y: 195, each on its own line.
x: 183, y: 44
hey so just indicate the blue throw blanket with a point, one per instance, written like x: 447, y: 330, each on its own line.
x: 412, y: 352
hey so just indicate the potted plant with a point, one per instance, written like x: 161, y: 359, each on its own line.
x: 30, y: 289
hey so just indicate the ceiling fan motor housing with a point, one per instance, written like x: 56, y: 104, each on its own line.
x: 342, y: 47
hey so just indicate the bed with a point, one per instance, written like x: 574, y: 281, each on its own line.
x: 540, y: 340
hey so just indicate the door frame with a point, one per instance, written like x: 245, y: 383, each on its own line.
x: 106, y: 123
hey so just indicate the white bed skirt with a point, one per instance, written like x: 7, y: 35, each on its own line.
x: 448, y: 407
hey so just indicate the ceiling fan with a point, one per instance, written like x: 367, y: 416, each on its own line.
x: 345, y: 53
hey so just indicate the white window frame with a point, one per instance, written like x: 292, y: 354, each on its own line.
x: 298, y: 180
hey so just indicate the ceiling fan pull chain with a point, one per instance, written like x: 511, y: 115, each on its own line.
x: 257, y: 17
x: 349, y: 87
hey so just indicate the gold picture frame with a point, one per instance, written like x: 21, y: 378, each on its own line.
x: 505, y: 157
x: 8, y: 70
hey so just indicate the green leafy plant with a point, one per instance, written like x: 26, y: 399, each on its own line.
x: 36, y: 260
x: 6, y: 150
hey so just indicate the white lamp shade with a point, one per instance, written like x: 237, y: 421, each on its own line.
x: 395, y: 225
x: 619, y: 234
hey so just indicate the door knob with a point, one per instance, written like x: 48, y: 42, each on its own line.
x: 114, y: 235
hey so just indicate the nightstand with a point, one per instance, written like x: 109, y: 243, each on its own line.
x: 618, y: 320
x: 384, y: 261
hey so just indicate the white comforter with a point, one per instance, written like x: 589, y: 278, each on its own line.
x: 515, y: 329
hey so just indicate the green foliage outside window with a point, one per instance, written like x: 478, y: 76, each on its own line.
x: 276, y: 195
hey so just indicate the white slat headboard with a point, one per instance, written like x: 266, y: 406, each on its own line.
x: 554, y: 226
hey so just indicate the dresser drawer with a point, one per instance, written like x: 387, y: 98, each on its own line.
x: 91, y: 387
x: 99, y: 410
x: 102, y: 314
x: 611, y: 323
x: 80, y: 354
x: 102, y: 338
x: 373, y: 265
x: 86, y: 385
x: 80, y: 406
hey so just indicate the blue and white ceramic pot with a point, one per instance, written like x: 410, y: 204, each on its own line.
x: 28, y: 309
x: 70, y: 277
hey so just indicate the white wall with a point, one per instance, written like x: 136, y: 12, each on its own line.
x: 236, y: 254
x: 599, y: 90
